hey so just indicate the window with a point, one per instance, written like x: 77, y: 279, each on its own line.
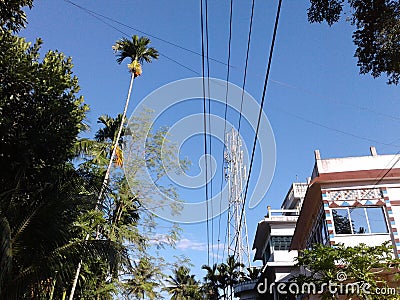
x: 319, y: 233
x: 359, y: 220
x: 376, y: 220
x: 281, y: 242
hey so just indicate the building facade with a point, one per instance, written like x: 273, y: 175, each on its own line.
x: 351, y: 200
x: 348, y: 200
x: 271, y: 243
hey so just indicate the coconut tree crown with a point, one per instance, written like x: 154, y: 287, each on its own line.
x: 137, y: 50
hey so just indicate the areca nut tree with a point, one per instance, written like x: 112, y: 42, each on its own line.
x: 138, y: 51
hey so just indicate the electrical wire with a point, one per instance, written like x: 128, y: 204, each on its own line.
x: 94, y: 15
x: 225, y: 116
x: 245, y: 67
x: 138, y: 30
x: 260, y: 112
x: 333, y: 129
x: 205, y: 127
x: 209, y: 129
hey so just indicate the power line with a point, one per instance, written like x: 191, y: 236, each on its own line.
x: 243, y: 86
x: 336, y: 101
x: 388, y: 171
x: 239, y: 236
x: 245, y: 67
x: 261, y: 110
x: 225, y: 115
x: 209, y: 129
x: 334, y: 129
x: 141, y: 31
x: 94, y: 15
x: 205, y: 126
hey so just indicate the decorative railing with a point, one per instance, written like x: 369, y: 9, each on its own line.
x: 354, y: 194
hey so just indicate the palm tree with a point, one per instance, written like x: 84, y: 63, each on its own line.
x: 183, y: 286
x: 144, y: 281
x: 99, y: 150
x: 138, y: 51
x: 253, y: 273
x: 233, y: 273
x: 41, y: 245
x: 211, y: 286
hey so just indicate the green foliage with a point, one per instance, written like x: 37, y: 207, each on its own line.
x: 122, y: 219
x: 40, y: 112
x: 145, y: 280
x: 50, y: 218
x: 137, y: 50
x: 12, y: 17
x: 45, y: 203
x: 360, y: 264
x: 253, y: 273
x: 377, y: 34
x: 222, y: 278
x: 183, y: 285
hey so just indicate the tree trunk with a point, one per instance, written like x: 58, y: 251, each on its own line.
x: 114, y: 147
x: 106, y: 177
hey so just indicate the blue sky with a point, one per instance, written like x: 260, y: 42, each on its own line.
x: 315, y: 99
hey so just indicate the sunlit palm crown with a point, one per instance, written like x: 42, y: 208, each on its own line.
x: 137, y: 49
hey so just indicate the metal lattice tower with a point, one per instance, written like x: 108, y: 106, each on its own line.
x: 235, y: 174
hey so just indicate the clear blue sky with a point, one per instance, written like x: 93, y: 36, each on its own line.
x: 315, y: 100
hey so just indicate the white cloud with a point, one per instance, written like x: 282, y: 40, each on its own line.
x: 187, y: 244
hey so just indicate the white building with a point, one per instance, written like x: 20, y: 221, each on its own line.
x: 272, y: 242
x: 351, y: 200
x: 348, y: 200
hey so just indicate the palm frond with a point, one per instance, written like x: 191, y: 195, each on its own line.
x: 136, y: 49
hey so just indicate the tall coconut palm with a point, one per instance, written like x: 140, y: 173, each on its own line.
x: 137, y: 50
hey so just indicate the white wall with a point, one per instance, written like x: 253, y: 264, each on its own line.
x: 283, y: 229
x: 368, y: 239
x: 393, y: 193
x: 284, y: 256
x: 396, y: 215
x: 356, y: 163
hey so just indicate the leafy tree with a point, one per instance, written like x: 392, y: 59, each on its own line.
x: 123, y: 220
x: 41, y: 114
x: 377, y: 33
x: 183, y: 285
x: 12, y: 17
x: 360, y: 264
x: 42, y: 196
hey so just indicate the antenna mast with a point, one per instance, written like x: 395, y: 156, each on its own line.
x: 235, y: 174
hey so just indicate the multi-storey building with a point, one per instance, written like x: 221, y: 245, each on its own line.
x: 348, y: 200
x: 351, y: 200
x: 272, y: 242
